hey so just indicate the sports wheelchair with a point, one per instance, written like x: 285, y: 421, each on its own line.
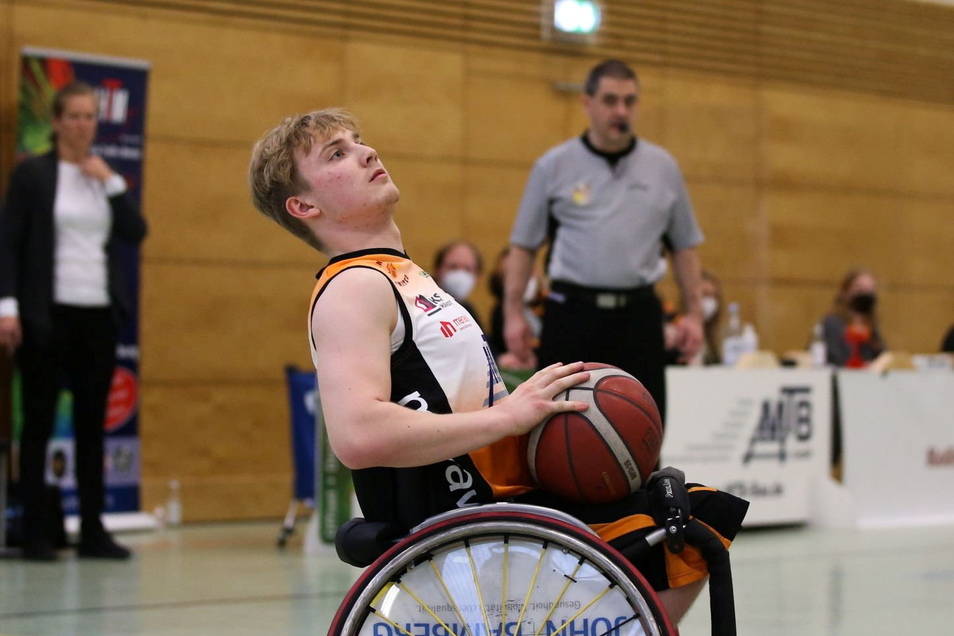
x: 504, y: 569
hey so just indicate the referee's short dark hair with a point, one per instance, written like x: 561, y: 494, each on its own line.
x: 616, y: 69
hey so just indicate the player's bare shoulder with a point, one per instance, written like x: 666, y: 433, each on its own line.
x: 355, y: 296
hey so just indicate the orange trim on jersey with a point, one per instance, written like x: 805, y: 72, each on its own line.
x: 503, y: 465
x: 378, y: 261
x: 681, y: 569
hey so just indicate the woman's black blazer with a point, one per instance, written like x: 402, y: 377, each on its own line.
x: 27, y: 242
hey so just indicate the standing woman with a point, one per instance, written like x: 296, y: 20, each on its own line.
x: 62, y: 298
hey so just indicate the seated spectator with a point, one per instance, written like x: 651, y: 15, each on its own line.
x: 851, y: 331
x: 457, y: 266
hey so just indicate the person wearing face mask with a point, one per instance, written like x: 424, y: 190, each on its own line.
x: 851, y: 330
x: 457, y: 266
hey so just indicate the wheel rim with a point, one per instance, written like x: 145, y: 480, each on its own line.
x: 491, y: 577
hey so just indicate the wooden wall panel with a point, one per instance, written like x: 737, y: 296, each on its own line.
x: 221, y: 81
x: 925, y: 238
x: 818, y: 235
x: 514, y: 119
x: 916, y: 319
x: 925, y: 163
x: 196, y: 197
x: 409, y: 99
x: 734, y: 228
x: 493, y: 196
x: 853, y: 141
x: 223, y: 323
x: 712, y: 128
x: 793, y: 308
x: 228, y: 445
x: 431, y: 210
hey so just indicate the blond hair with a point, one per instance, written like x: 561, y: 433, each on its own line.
x: 273, y: 172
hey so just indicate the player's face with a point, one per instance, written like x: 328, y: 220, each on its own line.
x: 612, y: 113
x: 76, y: 127
x: 345, y: 176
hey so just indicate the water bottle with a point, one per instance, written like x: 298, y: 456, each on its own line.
x: 750, y: 339
x: 174, y: 505
x: 817, y: 349
x: 732, y: 342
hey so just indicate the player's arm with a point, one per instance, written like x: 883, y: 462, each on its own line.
x: 517, y: 332
x: 687, y: 268
x: 352, y: 326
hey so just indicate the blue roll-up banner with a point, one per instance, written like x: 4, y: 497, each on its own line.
x: 121, y: 87
x: 303, y: 398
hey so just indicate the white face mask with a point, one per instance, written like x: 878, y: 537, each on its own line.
x: 458, y: 283
x: 710, y: 305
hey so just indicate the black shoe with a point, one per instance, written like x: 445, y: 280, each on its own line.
x: 102, y: 547
x: 39, y: 550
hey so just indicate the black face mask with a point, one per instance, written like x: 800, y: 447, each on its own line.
x: 863, y: 303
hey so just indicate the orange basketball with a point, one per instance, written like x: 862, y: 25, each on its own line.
x: 604, y: 453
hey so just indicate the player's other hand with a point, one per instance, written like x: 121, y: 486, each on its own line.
x: 532, y: 401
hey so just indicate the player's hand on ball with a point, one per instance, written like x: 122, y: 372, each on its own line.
x: 532, y: 401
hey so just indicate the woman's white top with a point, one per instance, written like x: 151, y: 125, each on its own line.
x: 83, y: 221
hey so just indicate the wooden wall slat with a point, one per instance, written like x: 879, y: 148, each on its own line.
x: 884, y: 47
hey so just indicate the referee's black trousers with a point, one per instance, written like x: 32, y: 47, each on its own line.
x: 629, y: 337
x: 81, y: 350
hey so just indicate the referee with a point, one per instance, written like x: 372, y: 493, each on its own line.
x: 610, y: 206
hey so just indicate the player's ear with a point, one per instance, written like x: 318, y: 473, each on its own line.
x: 301, y: 209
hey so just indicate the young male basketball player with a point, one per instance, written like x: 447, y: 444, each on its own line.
x: 405, y: 375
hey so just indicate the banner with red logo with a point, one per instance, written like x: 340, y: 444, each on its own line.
x: 121, y: 87
x: 898, y: 432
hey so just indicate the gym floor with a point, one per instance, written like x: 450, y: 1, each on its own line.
x: 230, y: 579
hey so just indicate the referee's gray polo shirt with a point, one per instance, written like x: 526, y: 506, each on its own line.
x: 610, y: 222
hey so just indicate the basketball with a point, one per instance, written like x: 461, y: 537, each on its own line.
x: 604, y: 453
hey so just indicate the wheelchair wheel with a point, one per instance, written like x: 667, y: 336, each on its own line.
x: 501, y: 570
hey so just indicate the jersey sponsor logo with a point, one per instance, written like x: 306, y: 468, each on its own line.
x: 448, y: 329
x: 460, y: 479
x: 432, y: 304
x: 393, y: 273
x: 426, y: 304
x: 414, y: 401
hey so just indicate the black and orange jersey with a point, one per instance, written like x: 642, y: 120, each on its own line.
x: 441, y: 363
